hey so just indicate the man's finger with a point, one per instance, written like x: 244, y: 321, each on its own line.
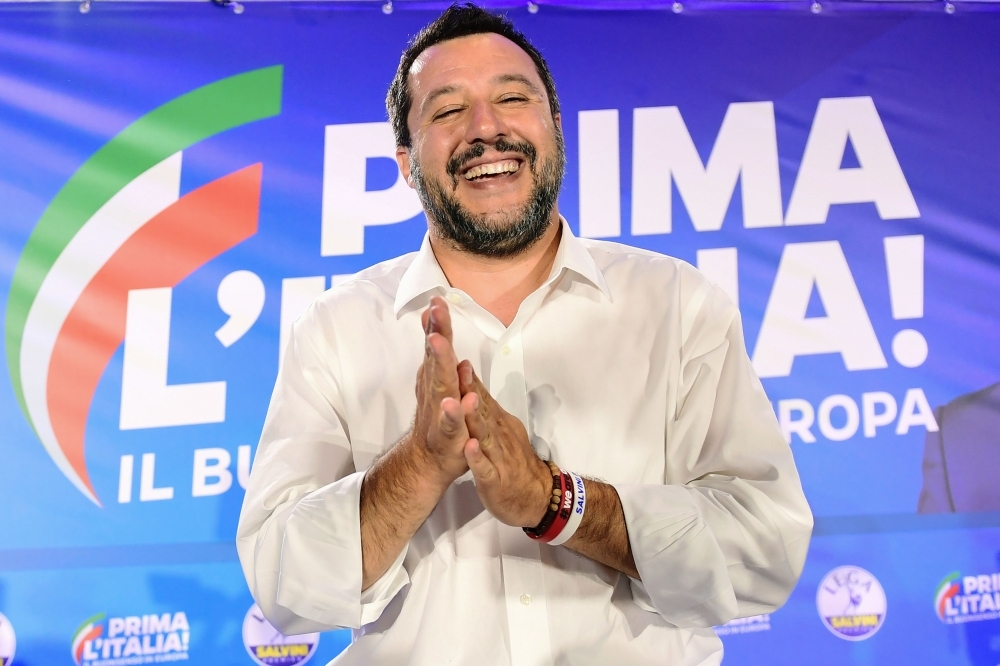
x: 435, y: 319
x: 483, y: 470
x: 465, y: 373
x: 469, y: 383
x: 478, y: 427
x: 425, y: 320
x: 420, y: 378
x: 442, y: 366
x: 486, y: 402
x: 451, y: 422
x: 439, y: 318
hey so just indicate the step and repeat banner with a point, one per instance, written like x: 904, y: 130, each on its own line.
x: 179, y: 181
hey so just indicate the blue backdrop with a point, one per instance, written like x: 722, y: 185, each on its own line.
x: 836, y: 172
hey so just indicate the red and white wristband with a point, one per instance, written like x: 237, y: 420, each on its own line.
x: 578, y: 505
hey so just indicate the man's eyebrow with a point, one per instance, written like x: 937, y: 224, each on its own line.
x: 502, y: 78
x: 517, y: 78
x: 437, y: 92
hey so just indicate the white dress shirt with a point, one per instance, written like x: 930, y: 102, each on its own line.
x: 625, y: 366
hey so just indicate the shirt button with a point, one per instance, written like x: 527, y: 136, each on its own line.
x: 454, y: 298
x: 526, y: 599
x: 505, y: 350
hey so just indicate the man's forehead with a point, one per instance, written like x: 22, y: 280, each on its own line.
x: 468, y: 55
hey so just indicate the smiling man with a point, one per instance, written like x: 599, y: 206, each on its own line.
x: 515, y: 446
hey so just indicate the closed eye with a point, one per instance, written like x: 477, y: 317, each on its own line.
x: 446, y: 113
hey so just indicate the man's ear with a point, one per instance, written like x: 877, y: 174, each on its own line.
x: 403, y: 160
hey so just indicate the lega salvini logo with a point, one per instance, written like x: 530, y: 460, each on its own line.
x: 851, y: 603
x: 962, y: 599
x: 7, y: 641
x: 135, y: 639
x: 269, y: 647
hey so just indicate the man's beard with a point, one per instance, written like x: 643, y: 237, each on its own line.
x: 509, y: 232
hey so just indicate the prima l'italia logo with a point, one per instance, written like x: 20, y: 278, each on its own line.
x: 118, y: 224
x: 961, y: 599
x: 135, y: 639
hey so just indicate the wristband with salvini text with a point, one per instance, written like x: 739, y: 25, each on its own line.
x: 579, y: 505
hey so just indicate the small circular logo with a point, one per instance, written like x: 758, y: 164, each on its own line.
x: 851, y: 603
x: 7, y: 641
x: 269, y: 647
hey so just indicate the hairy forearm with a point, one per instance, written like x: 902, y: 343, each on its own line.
x: 397, y: 495
x: 603, y: 535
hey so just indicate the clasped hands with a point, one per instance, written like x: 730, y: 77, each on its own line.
x: 459, y: 426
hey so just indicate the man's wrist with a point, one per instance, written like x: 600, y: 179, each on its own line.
x: 542, y: 495
x: 429, y: 474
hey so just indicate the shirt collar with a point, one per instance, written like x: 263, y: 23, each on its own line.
x: 424, y: 274
x: 572, y: 255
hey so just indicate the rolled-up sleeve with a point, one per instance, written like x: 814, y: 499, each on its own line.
x: 726, y: 535
x: 299, y: 534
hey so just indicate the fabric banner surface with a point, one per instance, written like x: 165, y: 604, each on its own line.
x: 178, y: 182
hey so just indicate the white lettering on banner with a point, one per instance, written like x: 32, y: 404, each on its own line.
x: 909, y: 347
x: 243, y: 465
x: 148, y: 492
x: 962, y: 599
x: 970, y: 585
x: 786, y: 332
x: 797, y: 426
x: 241, y: 296
x: 850, y: 426
x: 745, y: 150
x: 125, y: 479
x: 975, y: 608
x: 663, y: 154
x: 137, y: 639
x: 211, y: 472
x: 600, y: 182
x: 147, y: 400
x: 904, y: 261
x: 821, y: 181
x: 796, y: 416
x: 720, y: 266
x: 347, y: 207
x: 872, y: 419
x: 916, y: 411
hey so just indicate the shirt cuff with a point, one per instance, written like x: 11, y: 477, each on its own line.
x: 320, y: 567
x: 684, y: 573
x: 377, y: 597
x: 640, y: 596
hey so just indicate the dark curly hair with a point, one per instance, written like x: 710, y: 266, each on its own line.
x: 459, y: 20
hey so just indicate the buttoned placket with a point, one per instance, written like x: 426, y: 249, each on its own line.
x: 520, y: 556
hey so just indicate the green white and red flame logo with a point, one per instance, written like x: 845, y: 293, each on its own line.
x: 947, y: 589
x: 88, y: 631
x: 119, y: 223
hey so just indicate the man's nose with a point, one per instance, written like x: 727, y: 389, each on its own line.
x: 485, y: 124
